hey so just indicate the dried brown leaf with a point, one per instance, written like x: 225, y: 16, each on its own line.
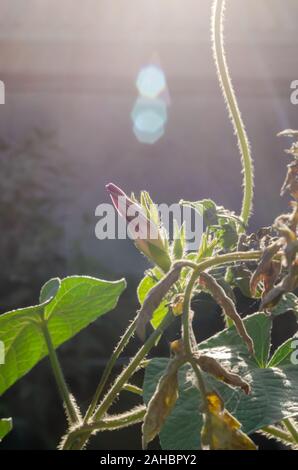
x: 267, y: 270
x: 154, y: 298
x: 212, y: 366
x: 228, y: 307
x: 161, y: 403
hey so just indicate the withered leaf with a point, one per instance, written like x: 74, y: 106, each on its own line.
x: 155, y: 297
x: 290, y: 252
x: 162, y: 402
x: 287, y: 133
x: 288, y: 284
x: 212, y: 366
x: 228, y: 307
x: 267, y: 270
x: 291, y: 181
x: 221, y: 431
x: 293, y: 219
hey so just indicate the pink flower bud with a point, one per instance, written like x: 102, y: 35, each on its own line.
x: 120, y: 200
x: 144, y: 232
x: 130, y: 210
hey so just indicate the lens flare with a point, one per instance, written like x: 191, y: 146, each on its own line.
x: 151, y: 81
x: 149, y: 118
x: 149, y: 114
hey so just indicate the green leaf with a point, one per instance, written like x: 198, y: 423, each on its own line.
x: 79, y: 301
x: 49, y: 289
x: 179, y: 241
x: 150, y: 208
x: 213, y: 214
x: 238, y: 276
x: 144, y: 288
x: 288, y: 302
x: 5, y: 427
x: 160, y: 256
x: 206, y: 249
x: 273, y: 396
x: 226, y: 234
x: 259, y: 329
x: 207, y: 208
x: 283, y: 354
x: 222, y: 224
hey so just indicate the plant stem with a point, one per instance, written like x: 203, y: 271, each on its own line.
x: 200, y: 267
x: 138, y: 359
x: 234, y: 112
x: 133, y: 389
x: 229, y: 258
x: 197, y: 269
x: 59, y: 377
x: 117, y: 422
x: 188, y: 338
x: 186, y: 319
x: 291, y: 427
x: 132, y: 367
x: 278, y: 433
x: 122, y: 379
x: 108, y: 369
x: 111, y: 423
x: 201, y: 383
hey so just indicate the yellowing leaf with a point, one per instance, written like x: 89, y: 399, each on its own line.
x: 221, y: 431
x: 164, y: 397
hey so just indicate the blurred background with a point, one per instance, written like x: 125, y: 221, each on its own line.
x: 109, y: 90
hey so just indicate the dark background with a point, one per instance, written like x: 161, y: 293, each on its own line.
x: 70, y: 72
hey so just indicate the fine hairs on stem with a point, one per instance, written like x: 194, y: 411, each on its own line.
x: 217, y: 27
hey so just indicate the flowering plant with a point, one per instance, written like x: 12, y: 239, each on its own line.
x: 211, y: 395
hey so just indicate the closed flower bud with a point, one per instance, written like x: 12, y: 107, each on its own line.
x: 143, y: 231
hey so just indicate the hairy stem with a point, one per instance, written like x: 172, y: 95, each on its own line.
x: 186, y: 316
x: 133, y: 389
x: 138, y: 360
x: 118, y: 422
x: 229, y: 258
x: 111, y: 423
x: 234, y: 112
x: 108, y: 369
x: 122, y: 379
x: 59, y: 377
x: 188, y: 336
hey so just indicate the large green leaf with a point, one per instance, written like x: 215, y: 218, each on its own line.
x: 274, y: 390
x: 258, y: 327
x: 69, y: 307
x: 5, y: 427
